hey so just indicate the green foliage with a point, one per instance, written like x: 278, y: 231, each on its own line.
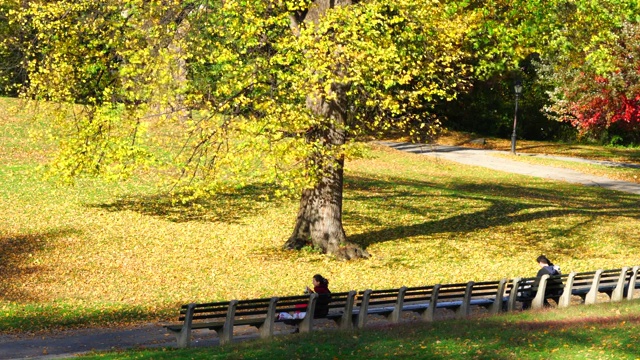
x: 11, y: 54
x: 570, y: 36
x: 488, y: 109
x: 399, y: 59
x: 509, y: 31
x: 602, y: 99
x: 220, y: 94
x: 217, y: 91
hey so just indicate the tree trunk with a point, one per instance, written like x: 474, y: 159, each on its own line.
x: 319, y: 220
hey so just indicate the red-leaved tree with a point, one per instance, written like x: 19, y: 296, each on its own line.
x: 602, y: 88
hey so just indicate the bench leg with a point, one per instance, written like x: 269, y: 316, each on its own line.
x: 266, y: 329
x: 183, y: 339
x: 184, y: 336
x: 345, y: 322
x: 565, y: 299
x: 429, y: 314
x: 592, y: 295
x: 632, y: 283
x: 364, y: 309
x: 225, y: 333
x: 306, y: 324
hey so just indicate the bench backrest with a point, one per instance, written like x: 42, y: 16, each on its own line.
x: 340, y: 300
x: 583, y: 280
x: 206, y: 310
x: 418, y: 294
x: 456, y: 297
x: 610, y: 278
x: 446, y: 293
x: 244, y: 308
x: 377, y: 298
x: 488, y: 289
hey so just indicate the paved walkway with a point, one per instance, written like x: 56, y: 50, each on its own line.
x: 68, y: 343
x: 487, y: 159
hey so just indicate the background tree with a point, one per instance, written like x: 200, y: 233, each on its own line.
x: 566, y: 35
x: 12, y: 35
x: 600, y: 96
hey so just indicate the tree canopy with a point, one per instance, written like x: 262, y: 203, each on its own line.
x: 230, y: 93
x: 223, y: 94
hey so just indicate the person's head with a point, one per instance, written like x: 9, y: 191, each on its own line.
x: 543, y: 261
x: 320, y: 280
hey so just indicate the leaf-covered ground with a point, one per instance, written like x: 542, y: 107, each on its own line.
x: 102, y: 252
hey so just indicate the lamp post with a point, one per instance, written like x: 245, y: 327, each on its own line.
x: 518, y: 90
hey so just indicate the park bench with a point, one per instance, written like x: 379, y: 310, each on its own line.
x: 260, y: 313
x: 350, y: 308
x: 524, y: 290
x: 341, y: 308
x: 426, y: 299
x: 586, y: 285
x: 536, y: 291
x: 633, y: 283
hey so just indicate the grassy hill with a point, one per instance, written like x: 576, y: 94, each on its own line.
x: 103, y: 253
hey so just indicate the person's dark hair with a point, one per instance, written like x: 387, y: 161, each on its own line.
x: 319, y: 278
x: 543, y: 259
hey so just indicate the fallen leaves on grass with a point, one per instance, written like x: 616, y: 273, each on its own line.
x: 425, y: 221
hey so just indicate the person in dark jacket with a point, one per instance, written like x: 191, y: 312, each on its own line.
x: 554, y: 283
x: 320, y: 287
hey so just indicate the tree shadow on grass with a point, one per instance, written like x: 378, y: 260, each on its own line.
x: 221, y: 207
x: 510, y: 340
x: 59, y: 315
x: 15, y: 263
x: 501, y: 205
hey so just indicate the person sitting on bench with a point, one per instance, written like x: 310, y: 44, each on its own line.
x: 320, y: 287
x: 554, y: 284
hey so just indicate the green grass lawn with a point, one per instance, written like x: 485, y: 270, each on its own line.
x: 603, y: 331
x: 104, y: 253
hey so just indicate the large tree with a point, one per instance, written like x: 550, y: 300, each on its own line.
x: 229, y: 93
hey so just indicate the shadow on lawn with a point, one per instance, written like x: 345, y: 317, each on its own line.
x: 486, y: 205
x: 508, y: 340
x: 497, y: 205
x: 223, y: 207
x: 60, y: 315
x: 15, y: 263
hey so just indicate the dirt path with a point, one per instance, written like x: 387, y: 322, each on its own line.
x: 68, y: 343
x: 486, y: 158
